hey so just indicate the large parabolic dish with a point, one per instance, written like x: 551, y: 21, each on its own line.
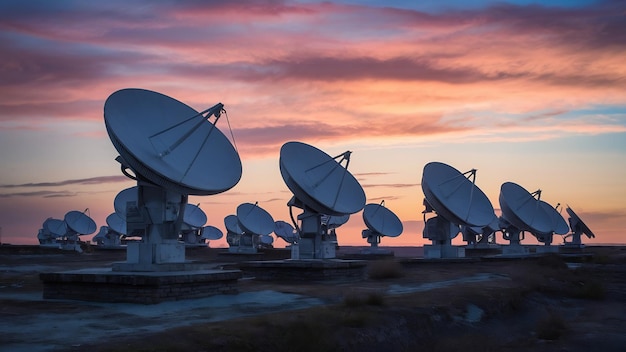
x: 455, y: 197
x: 254, y: 219
x: 128, y: 195
x: 285, y: 231
x: 232, y: 224
x: 170, y: 144
x: 211, y: 233
x: 56, y: 227
x: 319, y: 181
x: 194, y: 217
x: 522, y: 210
x: 578, y: 226
x: 80, y: 223
x: 116, y: 223
x: 559, y: 226
x: 382, y: 220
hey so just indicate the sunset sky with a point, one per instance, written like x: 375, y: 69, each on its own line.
x: 532, y: 92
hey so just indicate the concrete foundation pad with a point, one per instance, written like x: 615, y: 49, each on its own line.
x: 482, y: 250
x: 306, y: 269
x: 161, y: 267
x: 106, y: 285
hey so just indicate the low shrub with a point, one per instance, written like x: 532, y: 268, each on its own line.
x: 384, y: 269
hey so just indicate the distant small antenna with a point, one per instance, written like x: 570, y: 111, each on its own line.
x: 578, y: 229
x: 285, y: 231
x: 380, y: 222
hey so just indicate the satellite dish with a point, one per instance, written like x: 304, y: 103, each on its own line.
x: 116, y: 223
x: 254, y: 220
x: 441, y: 229
x: 56, y: 227
x: 522, y: 210
x: 333, y: 222
x: 80, y: 223
x: 232, y: 224
x: 453, y: 196
x: 381, y: 220
x: 320, y: 181
x: 211, y: 233
x: 559, y: 226
x: 577, y: 225
x: 266, y: 239
x: 285, y: 231
x: 194, y: 217
x: 170, y: 144
x: 120, y: 203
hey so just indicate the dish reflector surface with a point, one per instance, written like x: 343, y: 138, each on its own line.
x: 285, y: 231
x: 266, y: 239
x: 80, y: 223
x: 559, y: 226
x: 116, y: 223
x: 122, y: 199
x: 381, y: 220
x: 56, y: 227
x: 455, y: 197
x: 334, y: 221
x: 320, y: 181
x: 169, y: 143
x: 576, y: 221
x: 194, y: 217
x: 232, y: 224
x: 523, y: 210
x: 211, y: 233
x: 254, y: 219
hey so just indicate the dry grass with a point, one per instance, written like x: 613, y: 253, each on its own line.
x: 363, y: 318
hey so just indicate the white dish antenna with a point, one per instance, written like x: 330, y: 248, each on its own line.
x: 320, y: 181
x: 116, y: 223
x: 122, y: 200
x: 194, y: 217
x: 559, y: 226
x: 266, y: 239
x: 254, y: 219
x: 171, y: 144
x: 381, y: 220
x: 232, y: 224
x: 522, y: 210
x: 453, y: 196
x: 577, y: 225
x: 285, y: 231
x: 56, y: 227
x: 334, y: 221
x: 211, y: 233
x: 80, y: 223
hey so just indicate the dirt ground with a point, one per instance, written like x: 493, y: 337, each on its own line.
x: 549, y: 303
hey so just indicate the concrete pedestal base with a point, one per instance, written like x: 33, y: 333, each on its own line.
x: 434, y: 251
x: 480, y: 250
x: 105, y: 285
x: 514, y: 249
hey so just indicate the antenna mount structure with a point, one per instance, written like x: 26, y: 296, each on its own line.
x: 457, y: 202
x: 380, y: 222
x: 522, y: 212
x: 579, y: 228
x: 173, y: 151
x: 321, y: 187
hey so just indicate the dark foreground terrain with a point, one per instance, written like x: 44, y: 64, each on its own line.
x: 548, y: 303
